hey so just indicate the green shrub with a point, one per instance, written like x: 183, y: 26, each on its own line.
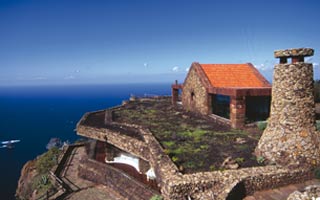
x: 44, y: 179
x: 42, y: 183
x: 212, y: 168
x: 156, y: 197
x: 318, y: 125
x: 189, y: 165
x: 168, y: 144
x: 260, y: 159
x: 47, y: 160
x: 175, y: 159
x: 262, y: 125
x: 197, y: 134
x: 317, y: 173
x: 239, y: 160
x: 243, y: 147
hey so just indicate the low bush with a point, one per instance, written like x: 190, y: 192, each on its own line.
x: 260, y: 160
x: 262, y: 125
x: 317, y: 173
x: 239, y: 160
x: 156, y: 197
x: 47, y: 160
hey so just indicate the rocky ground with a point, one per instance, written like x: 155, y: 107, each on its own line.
x: 28, y: 172
x: 318, y: 111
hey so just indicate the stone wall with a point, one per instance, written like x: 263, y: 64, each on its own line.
x: 215, y: 185
x: 219, y: 185
x: 290, y: 137
x: 173, y: 184
x: 194, y: 95
x: 163, y: 166
x: 206, y: 185
x: 126, y: 143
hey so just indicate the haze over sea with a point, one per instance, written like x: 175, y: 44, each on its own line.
x: 34, y: 114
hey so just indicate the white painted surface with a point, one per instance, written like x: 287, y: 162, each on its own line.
x: 150, y: 174
x: 126, y: 159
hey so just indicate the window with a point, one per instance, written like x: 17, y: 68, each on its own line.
x: 192, y: 96
x: 221, y: 105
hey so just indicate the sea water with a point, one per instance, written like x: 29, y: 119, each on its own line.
x: 34, y: 114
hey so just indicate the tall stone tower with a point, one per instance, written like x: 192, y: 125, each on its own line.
x: 290, y: 138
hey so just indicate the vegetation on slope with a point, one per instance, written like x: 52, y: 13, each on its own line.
x: 193, y: 142
x: 34, y: 180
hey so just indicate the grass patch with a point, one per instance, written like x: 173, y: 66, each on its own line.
x: 231, y: 133
x: 195, y: 135
x: 262, y: 125
x: 239, y: 160
x: 243, y: 147
x: 156, y: 197
x: 169, y: 144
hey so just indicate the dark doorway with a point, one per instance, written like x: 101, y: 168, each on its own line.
x: 257, y: 108
x: 238, y: 192
x: 221, y: 105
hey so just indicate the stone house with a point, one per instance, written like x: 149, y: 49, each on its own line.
x: 232, y: 93
x: 130, y: 159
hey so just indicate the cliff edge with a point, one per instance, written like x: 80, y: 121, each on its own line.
x: 28, y: 173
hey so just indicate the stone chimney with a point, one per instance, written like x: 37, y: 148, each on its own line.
x: 290, y: 138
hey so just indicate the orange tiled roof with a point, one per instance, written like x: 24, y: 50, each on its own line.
x: 234, y: 75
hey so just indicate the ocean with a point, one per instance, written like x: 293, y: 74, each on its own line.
x: 34, y: 114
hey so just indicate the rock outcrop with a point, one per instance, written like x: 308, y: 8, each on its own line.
x: 310, y: 192
x: 24, y: 189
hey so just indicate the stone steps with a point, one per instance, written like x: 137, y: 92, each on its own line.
x: 115, y: 179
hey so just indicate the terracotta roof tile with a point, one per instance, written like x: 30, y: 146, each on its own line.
x: 234, y: 75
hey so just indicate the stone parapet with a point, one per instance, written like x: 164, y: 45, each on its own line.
x: 164, y: 168
x: 126, y: 143
x: 220, y: 185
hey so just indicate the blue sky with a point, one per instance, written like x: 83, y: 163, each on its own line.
x: 116, y: 41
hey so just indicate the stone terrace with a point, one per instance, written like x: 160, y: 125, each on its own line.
x: 193, y: 142
x: 189, y: 139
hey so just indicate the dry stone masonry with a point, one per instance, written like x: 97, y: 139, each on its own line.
x: 194, y: 96
x: 290, y: 138
x: 172, y: 184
